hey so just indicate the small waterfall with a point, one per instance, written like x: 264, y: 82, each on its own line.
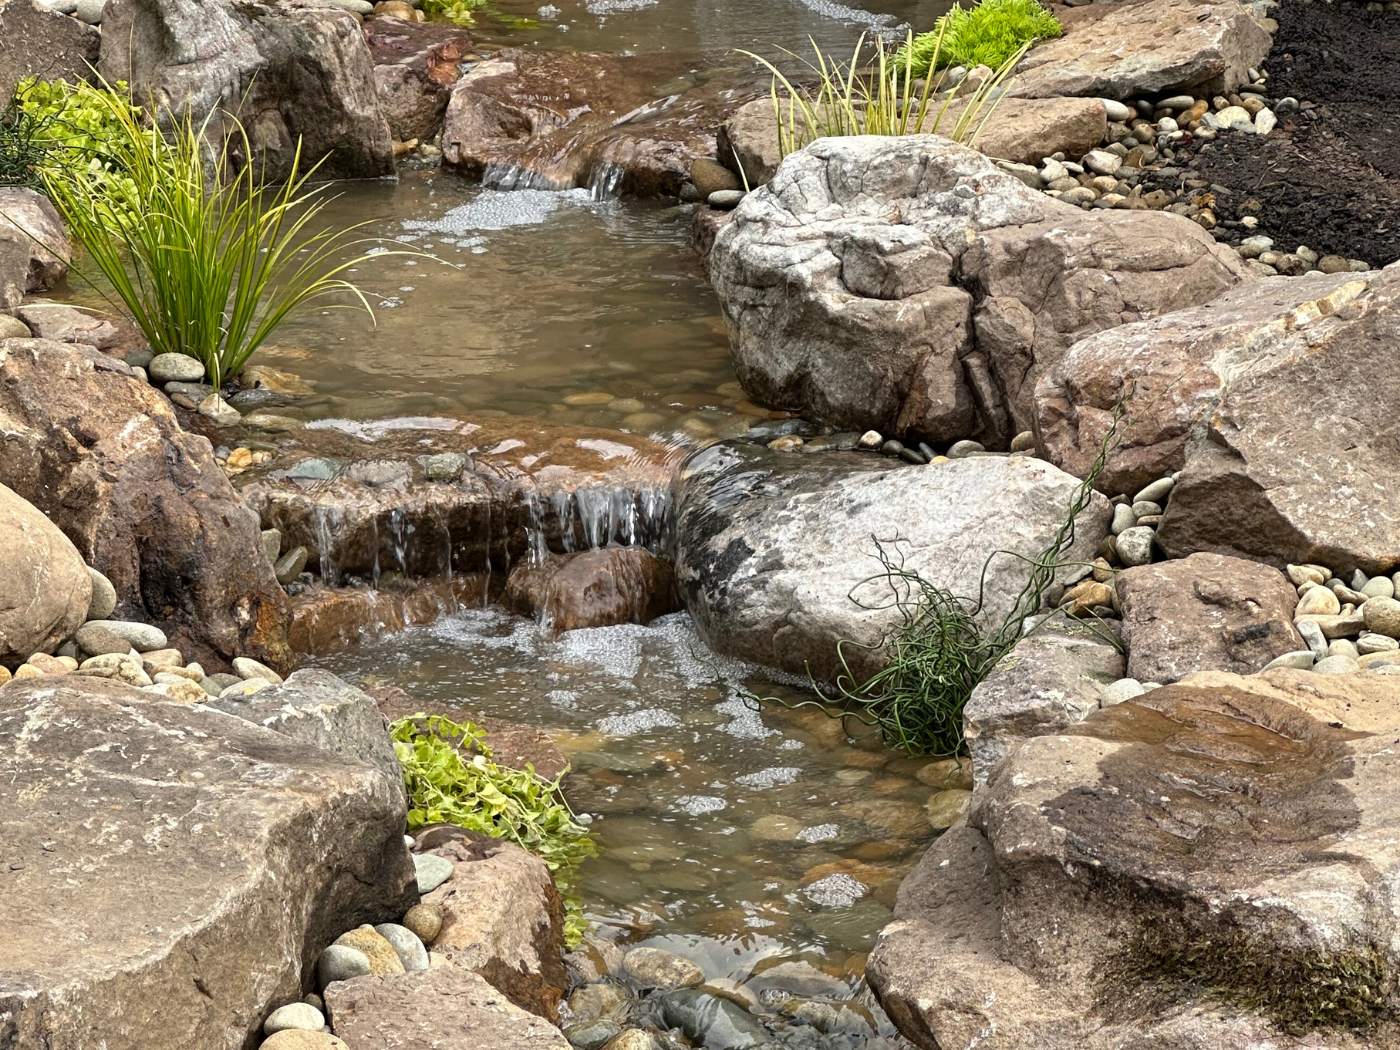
x: 605, y: 181
x: 597, y: 516
x: 516, y: 177
x: 328, y: 522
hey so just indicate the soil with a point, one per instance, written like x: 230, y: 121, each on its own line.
x: 1329, y: 175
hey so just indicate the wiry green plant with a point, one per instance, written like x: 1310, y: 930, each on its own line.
x: 205, y: 263
x: 879, y: 92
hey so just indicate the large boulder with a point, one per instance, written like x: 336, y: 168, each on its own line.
x: 438, y: 1009
x: 561, y: 119
x: 1207, y: 865
x: 38, y: 42
x: 172, y: 873
x: 45, y: 589
x: 34, y: 247
x: 1146, y: 48
x: 103, y: 455
x: 291, y: 71
x: 908, y: 284
x: 1050, y: 681
x: 1205, y: 613
x: 415, y: 66
x: 1270, y: 399
x: 598, y: 588
x: 776, y: 553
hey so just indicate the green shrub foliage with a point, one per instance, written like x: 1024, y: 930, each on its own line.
x: 986, y: 34
x: 459, y: 11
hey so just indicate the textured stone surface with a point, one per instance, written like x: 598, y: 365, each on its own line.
x: 1146, y: 48
x: 415, y: 67
x: 771, y: 546
x: 1236, y: 830
x: 103, y: 455
x: 45, y: 589
x: 38, y: 42
x: 165, y: 861
x: 291, y: 69
x: 1206, y: 612
x: 1050, y: 681
x: 594, y: 589
x: 444, y: 1008
x: 1271, y: 400
x: 909, y: 285
x: 1027, y: 130
x: 503, y: 919
x: 34, y: 247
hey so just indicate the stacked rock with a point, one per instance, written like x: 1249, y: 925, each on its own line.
x: 1350, y: 625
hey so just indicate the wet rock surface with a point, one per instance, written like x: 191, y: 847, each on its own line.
x: 167, y: 860
x: 1156, y: 911
x: 415, y: 66
x: 594, y: 588
x: 911, y: 286
x: 770, y: 547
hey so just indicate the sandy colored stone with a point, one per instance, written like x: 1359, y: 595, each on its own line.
x: 383, y: 960
x: 45, y: 588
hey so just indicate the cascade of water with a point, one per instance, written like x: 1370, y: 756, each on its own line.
x: 516, y: 177
x: 605, y: 180
x: 536, y: 538
x: 563, y: 503
x: 328, y: 522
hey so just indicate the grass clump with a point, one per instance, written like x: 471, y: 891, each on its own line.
x: 986, y: 34
x: 204, y: 263
x: 458, y: 11
x: 878, y: 91
x: 451, y: 778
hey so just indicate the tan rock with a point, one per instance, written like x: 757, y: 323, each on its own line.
x: 383, y: 960
x: 45, y: 584
x: 1027, y: 130
x: 292, y: 1039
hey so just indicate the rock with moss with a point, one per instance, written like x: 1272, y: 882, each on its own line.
x: 1205, y: 865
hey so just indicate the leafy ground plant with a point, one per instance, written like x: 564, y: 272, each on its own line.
x: 205, y: 263
x: 458, y: 11
x: 452, y: 778
x: 878, y: 92
x: 985, y: 34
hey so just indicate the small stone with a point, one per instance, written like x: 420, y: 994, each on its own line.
x: 946, y: 808
x: 340, y: 962
x: 1123, y: 519
x: 1379, y: 587
x: 725, y: 199
x: 871, y: 439
x: 47, y: 664
x: 295, y: 1039
x: 654, y: 968
x: 271, y: 422
x: 1144, y: 508
x: 445, y: 466
x: 291, y: 565
x: 1116, y: 111
x: 1301, y: 574
x: 1177, y: 103
x: 425, y: 920
x: 383, y: 959
x: 177, y: 688
x: 1086, y: 595
x: 249, y: 669
x: 1318, y: 601
x: 141, y: 636
x: 312, y: 999
x: 1157, y: 492
x: 1337, y: 665
x: 1342, y: 626
x: 634, y: 1039
x: 592, y: 1035
x: 432, y: 871
x: 1343, y: 647
x: 1101, y: 162
x: 1375, y: 643
x: 791, y: 442
x: 223, y: 414
x: 94, y: 640
x: 294, y: 1017
x: 963, y: 449
x: 5, y: 675
x: 272, y: 543
x: 104, y: 596
x: 239, y: 459
x: 1023, y: 441
x: 175, y: 368
x: 1135, y: 546
x: 1300, y: 659
x: 411, y: 951
x: 1119, y: 691
x: 247, y: 687
x: 1382, y: 616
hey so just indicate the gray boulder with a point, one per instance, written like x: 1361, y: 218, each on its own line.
x: 167, y: 862
x: 34, y: 247
x: 1207, y: 865
x: 772, y: 548
x: 45, y: 588
x: 294, y: 70
x: 910, y: 285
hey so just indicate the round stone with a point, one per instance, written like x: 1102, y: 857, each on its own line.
x: 1337, y: 665
x: 965, y: 448
x: 946, y: 808
x: 383, y: 959
x: 1135, y: 546
x: 425, y: 920
x: 1318, y: 601
x: 95, y: 640
x: 294, y: 1016
x: 1376, y: 643
x: 1121, y: 690
x: 341, y: 962
x: 141, y: 636
x: 592, y: 1035
x: 432, y: 871
x: 1382, y: 616
x: 296, y: 1039
x: 775, y: 827
x: 175, y: 368
x: 724, y: 199
x: 220, y: 411
x: 245, y: 687
x: 654, y: 968
x: 1379, y: 587
x: 1300, y: 659
x: 406, y: 945
x: 104, y: 596
x: 249, y: 669
x: 600, y: 1001
x: 1123, y: 519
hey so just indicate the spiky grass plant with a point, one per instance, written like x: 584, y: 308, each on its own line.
x: 878, y: 91
x: 205, y: 263
x: 985, y: 34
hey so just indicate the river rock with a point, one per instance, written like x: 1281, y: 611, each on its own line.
x: 341, y: 962
x: 1096, y: 904
x: 46, y: 586
x: 712, y: 1021
x: 293, y: 71
x: 383, y: 958
x: 770, y: 546
x: 1205, y: 612
x: 442, y: 1007
x: 1050, y: 681
x: 28, y: 224
x: 226, y: 854
x: 139, y: 636
x: 655, y: 968
x: 1217, y: 393
x: 1148, y: 48
x: 176, y: 368
x: 503, y: 919
x: 294, y: 1039
x: 594, y: 589
x: 415, y: 66
x: 294, y: 1017
x: 410, y: 950
x: 838, y: 284
x: 37, y: 42
x: 143, y: 501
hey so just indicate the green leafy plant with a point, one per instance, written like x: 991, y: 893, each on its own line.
x: 878, y: 92
x: 451, y: 778
x: 459, y: 11
x: 204, y: 264
x: 986, y: 34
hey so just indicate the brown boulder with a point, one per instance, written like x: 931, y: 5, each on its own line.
x: 45, y: 588
x: 443, y: 1008
x: 748, y: 143
x: 594, y: 589
x: 415, y: 66
x: 1207, y: 865
x: 504, y: 920
x: 166, y: 861
x: 1205, y: 613
x: 35, y: 42
x: 144, y: 502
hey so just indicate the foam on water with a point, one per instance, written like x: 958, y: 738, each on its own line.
x: 775, y: 776
x: 500, y: 210
x: 635, y: 722
x: 835, y: 891
x: 697, y: 805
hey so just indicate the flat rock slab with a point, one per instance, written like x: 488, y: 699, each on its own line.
x: 772, y: 547
x: 444, y: 1008
x: 1146, y: 48
x: 1131, y: 882
x: 1272, y: 405
x: 163, y: 861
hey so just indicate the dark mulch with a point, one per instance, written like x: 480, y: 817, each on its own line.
x: 1329, y: 175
